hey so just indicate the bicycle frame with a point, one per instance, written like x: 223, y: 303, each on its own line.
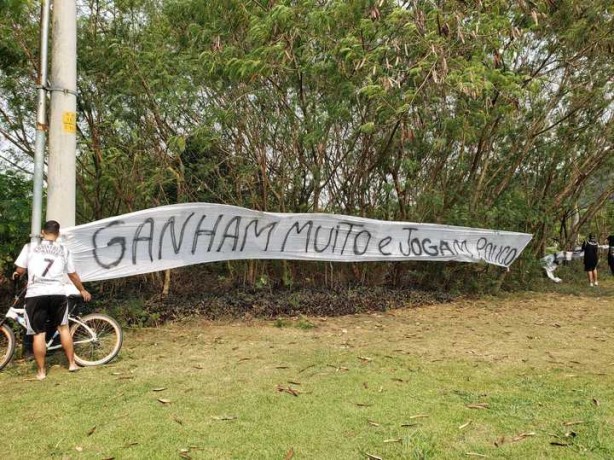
x: 97, y: 337
x: 77, y: 320
x: 18, y: 315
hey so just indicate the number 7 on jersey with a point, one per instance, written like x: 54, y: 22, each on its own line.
x: 49, y: 264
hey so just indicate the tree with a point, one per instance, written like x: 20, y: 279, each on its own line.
x: 487, y: 114
x: 15, y: 196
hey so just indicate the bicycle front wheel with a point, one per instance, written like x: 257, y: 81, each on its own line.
x: 7, y: 345
x: 97, y: 339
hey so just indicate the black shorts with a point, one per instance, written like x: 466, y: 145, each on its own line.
x: 46, y: 311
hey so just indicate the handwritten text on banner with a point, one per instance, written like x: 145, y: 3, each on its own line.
x: 185, y: 234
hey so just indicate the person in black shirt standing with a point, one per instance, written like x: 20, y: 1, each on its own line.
x: 591, y: 248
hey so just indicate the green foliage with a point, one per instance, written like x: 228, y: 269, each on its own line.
x: 484, y: 114
x: 14, y: 7
x: 131, y: 312
x: 304, y: 323
x: 15, y: 197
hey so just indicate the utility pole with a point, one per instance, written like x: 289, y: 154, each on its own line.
x: 41, y: 126
x: 61, y: 170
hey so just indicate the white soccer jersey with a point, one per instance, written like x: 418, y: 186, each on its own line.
x: 47, y: 263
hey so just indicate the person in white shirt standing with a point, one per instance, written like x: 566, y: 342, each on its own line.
x: 47, y: 263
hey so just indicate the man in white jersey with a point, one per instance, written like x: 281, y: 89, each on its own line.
x: 46, y: 263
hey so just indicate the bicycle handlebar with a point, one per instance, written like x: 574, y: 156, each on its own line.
x: 16, y: 291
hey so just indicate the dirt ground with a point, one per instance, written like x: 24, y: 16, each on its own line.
x: 539, y: 329
x: 570, y: 332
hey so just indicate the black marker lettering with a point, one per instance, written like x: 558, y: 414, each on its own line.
x: 315, y: 239
x: 429, y: 248
x: 444, y: 246
x: 171, y: 223
x: 236, y: 221
x: 348, y: 235
x: 416, y: 247
x: 336, y: 235
x: 254, y: 222
x: 408, y: 252
x: 210, y: 233
x: 481, y: 244
x: 308, y: 224
x: 510, y: 257
x: 382, y: 244
x: 356, y: 250
x: 461, y: 247
x: 138, y: 237
x: 488, y: 251
x: 112, y: 242
x: 498, y: 256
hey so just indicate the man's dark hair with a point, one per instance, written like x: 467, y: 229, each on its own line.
x: 52, y: 227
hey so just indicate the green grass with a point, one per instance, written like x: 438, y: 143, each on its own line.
x: 525, y: 377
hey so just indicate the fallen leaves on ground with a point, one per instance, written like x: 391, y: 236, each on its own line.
x: 575, y: 422
x: 477, y: 406
x: 519, y: 437
x: 224, y: 417
x: 287, y: 389
x: 337, y: 369
x: 522, y: 436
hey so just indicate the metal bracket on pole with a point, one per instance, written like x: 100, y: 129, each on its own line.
x: 61, y: 90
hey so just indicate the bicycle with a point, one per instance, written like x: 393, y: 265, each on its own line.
x: 97, y: 338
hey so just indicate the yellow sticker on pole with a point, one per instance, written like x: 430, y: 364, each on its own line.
x: 69, y: 121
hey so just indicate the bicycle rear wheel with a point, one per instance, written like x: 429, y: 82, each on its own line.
x: 97, y: 339
x: 7, y: 345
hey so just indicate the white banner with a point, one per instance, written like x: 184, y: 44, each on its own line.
x: 185, y: 234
